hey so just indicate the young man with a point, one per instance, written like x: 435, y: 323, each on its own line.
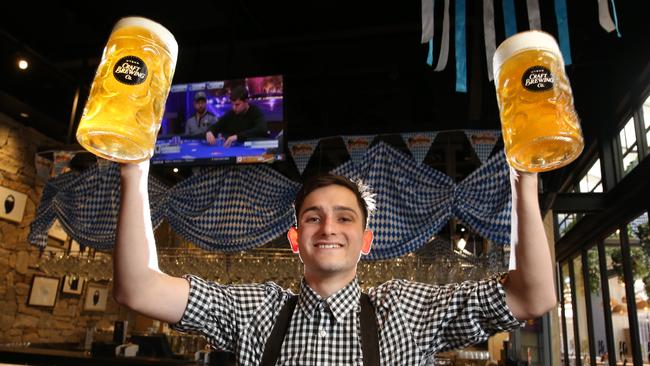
x: 414, y: 320
x: 202, y: 118
x: 242, y: 122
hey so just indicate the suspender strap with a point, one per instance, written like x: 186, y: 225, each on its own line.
x: 274, y: 343
x: 369, y: 332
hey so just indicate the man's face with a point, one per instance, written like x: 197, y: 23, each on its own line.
x: 330, y: 233
x: 239, y: 106
x: 199, y: 105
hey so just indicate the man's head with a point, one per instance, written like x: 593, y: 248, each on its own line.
x: 239, y: 99
x: 200, y: 102
x: 330, y: 233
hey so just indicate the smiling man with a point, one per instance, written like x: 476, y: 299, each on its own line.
x: 330, y: 321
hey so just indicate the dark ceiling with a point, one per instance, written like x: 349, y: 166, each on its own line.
x: 350, y: 67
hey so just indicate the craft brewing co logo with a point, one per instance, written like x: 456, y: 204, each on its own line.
x: 537, y: 78
x: 130, y: 70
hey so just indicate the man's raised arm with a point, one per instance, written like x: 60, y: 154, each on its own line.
x: 139, y: 284
x: 530, y: 290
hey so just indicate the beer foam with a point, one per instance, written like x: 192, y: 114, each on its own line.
x: 529, y: 40
x: 165, y: 35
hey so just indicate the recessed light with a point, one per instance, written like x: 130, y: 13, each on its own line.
x: 23, y: 64
x: 175, y: 170
x: 24, y: 115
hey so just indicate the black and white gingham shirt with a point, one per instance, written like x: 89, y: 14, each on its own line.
x: 415, y: 320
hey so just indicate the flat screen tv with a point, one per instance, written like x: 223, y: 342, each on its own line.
x: 183, y: 138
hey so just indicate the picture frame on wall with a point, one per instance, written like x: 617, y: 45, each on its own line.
x: 12, y: 204
x: 43, y: 291
x: 56, y: 231
x: 73, y: 285
x: 96, y: 297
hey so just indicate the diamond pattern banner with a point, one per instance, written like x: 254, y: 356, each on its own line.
x: 301, y: 152
x: 236, y: 208
x: 419, y: 143
x: 357, y: 146
x: 483, y: 142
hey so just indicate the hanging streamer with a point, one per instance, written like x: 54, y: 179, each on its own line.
x: 604, y: 18
x: 444, y: 47
x: 488, y: 35
x: 301, y: 152
x: 427, y: 20
x: 461, y: 52
x: 419, y: 143
x: 563, y: 30
x: 534, y: 19
x: 618, y: 32
x: 430, y: 54
x: 509, y: 17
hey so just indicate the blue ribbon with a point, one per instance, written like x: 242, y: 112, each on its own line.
x: 618, y: 32
x: 430, y: 56
x: 509, y: 17
x: 461, y: 54
x: 563, y: 30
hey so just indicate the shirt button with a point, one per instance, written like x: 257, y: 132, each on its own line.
x: 322, y: 333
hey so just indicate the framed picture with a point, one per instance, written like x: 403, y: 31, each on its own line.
x: 56, y: 231
x: 96, y: 297
x: 43, y: 291
x: 73, y: 285
x: 12, y: 204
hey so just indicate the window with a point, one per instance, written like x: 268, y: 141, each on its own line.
x: 629, y: 148
x: 592, y: 181
x: 646, y: 120
x: 565, y: 221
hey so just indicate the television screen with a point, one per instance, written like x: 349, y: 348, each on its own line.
x: 223, y: 122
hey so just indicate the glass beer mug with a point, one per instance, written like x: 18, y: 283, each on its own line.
x: 540, y: 126
x: 127, y: 99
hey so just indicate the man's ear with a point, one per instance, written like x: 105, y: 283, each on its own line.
x: 292, y: 235
x: 367, y: 242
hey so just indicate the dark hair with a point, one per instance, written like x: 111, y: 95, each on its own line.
x: 365, y: 198
x: 239, y: 93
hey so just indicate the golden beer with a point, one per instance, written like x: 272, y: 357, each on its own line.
x: 122, y: 117
x: 540, y: 126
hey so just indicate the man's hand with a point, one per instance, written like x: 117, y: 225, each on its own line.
x: 209, y: 136
x: 229, y: 141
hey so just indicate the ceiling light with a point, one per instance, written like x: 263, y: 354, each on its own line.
x: 23, y: 64
x: 24, y: 115
x: 175, y: 170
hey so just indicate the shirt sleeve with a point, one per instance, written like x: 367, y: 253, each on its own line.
x: 456, y: 315
x: 220, y: 312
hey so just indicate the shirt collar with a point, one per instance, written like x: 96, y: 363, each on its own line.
x: 340, y: 303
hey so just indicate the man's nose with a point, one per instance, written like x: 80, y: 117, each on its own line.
x: 328, y: 225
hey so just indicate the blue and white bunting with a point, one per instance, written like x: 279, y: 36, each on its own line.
x: 301, y: 152
x: 419, y: 143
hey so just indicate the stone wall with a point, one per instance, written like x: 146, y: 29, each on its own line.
x: 66, y: 322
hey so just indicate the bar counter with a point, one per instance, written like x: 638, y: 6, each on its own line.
x: 33, y: 356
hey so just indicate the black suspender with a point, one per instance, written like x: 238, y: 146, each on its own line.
x: 274, y: 343
x: 369, y: 333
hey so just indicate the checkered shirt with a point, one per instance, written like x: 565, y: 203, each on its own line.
x: 415, y: 320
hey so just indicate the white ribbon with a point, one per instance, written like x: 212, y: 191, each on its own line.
x: 444, y: 47
x: 604, y: 17
x: 534, y: 20
x: 427, y: 20
x: 488, y: 35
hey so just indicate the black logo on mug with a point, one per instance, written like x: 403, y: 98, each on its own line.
x: 130, y: 70
x: 537, y: 78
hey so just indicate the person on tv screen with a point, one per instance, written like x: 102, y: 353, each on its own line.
x: 330, y: 321
x: 242, y: 122
x: 202, y: 119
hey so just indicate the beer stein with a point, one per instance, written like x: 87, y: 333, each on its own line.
x: 122, y: 116
x: 539, y: 124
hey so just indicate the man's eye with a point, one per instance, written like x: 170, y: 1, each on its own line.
x: 312, y: 219
x: 345, y: 219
